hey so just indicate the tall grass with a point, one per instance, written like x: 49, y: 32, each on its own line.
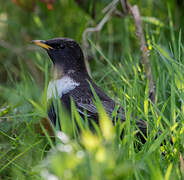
x: 28, y: 151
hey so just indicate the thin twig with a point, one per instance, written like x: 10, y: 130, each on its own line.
x: 90, y: 30
x: 124, y: 6
x: 145, y: 52
x: 109, y: 6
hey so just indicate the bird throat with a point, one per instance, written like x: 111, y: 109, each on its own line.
x: 57, y: 72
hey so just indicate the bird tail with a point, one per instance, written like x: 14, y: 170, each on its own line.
x: 143, y: 130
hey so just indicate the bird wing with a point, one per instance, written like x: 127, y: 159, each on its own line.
x: 84, y: 100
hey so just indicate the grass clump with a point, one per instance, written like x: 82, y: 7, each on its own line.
x: 26, y: 152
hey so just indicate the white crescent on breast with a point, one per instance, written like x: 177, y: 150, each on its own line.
x: 61, y: 86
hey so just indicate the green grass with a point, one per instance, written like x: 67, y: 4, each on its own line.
x: 116, y: 68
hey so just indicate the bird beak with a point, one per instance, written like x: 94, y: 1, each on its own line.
x: 42, y: 44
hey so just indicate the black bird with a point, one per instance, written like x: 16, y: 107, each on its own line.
x: 72, y: 80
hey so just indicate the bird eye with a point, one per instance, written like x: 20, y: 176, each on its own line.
x: 62, y: 46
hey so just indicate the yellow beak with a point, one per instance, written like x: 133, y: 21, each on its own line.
x: 42, y: 44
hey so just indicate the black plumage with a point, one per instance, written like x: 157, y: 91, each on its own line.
x: 68, y: 61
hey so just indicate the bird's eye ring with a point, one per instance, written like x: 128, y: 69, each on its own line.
x: 62, y: 46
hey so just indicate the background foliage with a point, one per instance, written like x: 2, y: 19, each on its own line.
x: 114, y: 58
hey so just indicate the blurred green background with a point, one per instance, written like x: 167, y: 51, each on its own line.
x: 24, y: 20
x: 24, y: 75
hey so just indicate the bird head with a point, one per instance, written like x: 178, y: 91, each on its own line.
x: 65, y: 54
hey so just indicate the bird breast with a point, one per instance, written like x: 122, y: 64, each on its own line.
x: 61, y: 86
